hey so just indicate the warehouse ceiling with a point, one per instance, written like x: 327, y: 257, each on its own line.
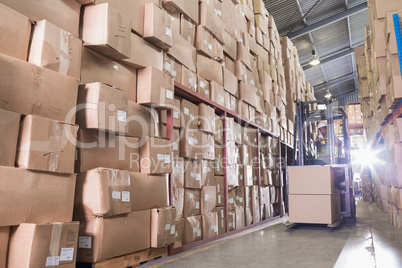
x: 333, y: 28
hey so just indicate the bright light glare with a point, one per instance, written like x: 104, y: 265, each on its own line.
x: 365, y: 157
x: 314, y: 62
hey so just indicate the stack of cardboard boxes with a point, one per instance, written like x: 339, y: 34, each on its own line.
x: 379, y: 87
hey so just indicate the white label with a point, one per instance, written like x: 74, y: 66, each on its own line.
x: 197, y: 205
x: 125, y: 196
x: 167, y: 227
x: 191, y: 81
x: 186, y: 111
x: 206, y: 197
x: 198, y: 177
x: 219, y: 12
x: 195, y: 229
x: 175, y: 146
x: 216, y: 228
x: 174, y: 73
x: 252, y: 82
x: 204, y: 169
x: 206, y: 42
x: 245, y: 76
x: 219, y: 188
x: 175, y: 114
x: 67, y: 254
x: 191, y: 117
x: 237, y: 217
x: 52, y: 261
x: 202, y: 84
x: 231, y: 201
x: 176, y: 170
x: 210, y: 46
x: 199, y: 232
x: 172, y: 229
x: 219, y: 200
x: 208, y: 169
x: 207, y: 92
x: 222, y: 214
x: 164, y: 157
x: 169, y: 94
x: 168, y: 32
x: 121, y: 116
x: 85, y: 242
x: 116, y: 195
x: 191, y: 195
x: 168, y: 66
x: 241, y: 199
x: 192, y: 174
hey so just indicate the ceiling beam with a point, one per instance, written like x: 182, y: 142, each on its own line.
x: 333, y: 82
x: 325, y: 22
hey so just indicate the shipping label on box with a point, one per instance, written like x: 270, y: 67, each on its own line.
x: 178, y: 202
x: 190, y: 114
x: 192, y: 202
x: 193, y: 174
x: 163, y: 228
x: 203, y: 87
x: 209, y: 225
x: 156, y: 156
x: 208, y: 199
x: 157, y: 26
x: 189, y: 79
x: 191, y: 144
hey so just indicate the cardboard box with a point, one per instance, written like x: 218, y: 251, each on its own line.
x: 193, y: 174
x: 206, y: 118
x: 209, y: 69
x: 220, y: 211
x: 106, y: 30
x: 219, y: 183
x: 179, y: 226
x: 188, y: 79
x: 230, y: 82
x: 210, y: 225
x: 157, y: 26
x: 155, y: 88
x: 137, y: 116
x: 211, y: 21
x: 219, y: 165
x: 248, y: 175
x: 382, y: 8
x: 232, y: 199
x: 4, y: 240
x: 50, y: 10
x: 183, y: 52
x: 240, y: 217
x: 163, y: 229
x: 231, y: 220
x: 248, y: 216
x: 172, y: 67
x: 187, y: 29
x: 144, y: 54
x: 218, y: 130
x: 208, y: 146
x: 51, y: 244
x: 102, y: 192
x: 148, y: 191
x: 178, y: 202
x: 46, y: 145
x: 23, y: 91
x: 47, y: 197
x: 207, y: 44
x: 321, y: 209
x: 311, y: 180
x: 178, y: 172
x: 9, y: 129
x: 192, y: 229
x: 218, y: 94
x: 15, y: 32
x: 191, y: 144
x: 103, y: 238
x: 190, y: 112
x: 207, y: 172
x: 191, y: 202
x: 240, y: 196
x: 208, y: 199
x: 187, y: 7
x: 96, y: 67
x: 203, y: 87
x: 155, y: 156
x: 99, y: 115
x: 55, y: 49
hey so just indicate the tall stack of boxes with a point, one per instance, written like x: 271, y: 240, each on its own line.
x: 379, y: 87
x: 92, y: 93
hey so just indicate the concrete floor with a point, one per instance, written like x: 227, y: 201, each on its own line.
x: 371, y: 242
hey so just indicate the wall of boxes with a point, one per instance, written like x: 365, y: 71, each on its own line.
x: 101, y: 156
x: 379, y: 78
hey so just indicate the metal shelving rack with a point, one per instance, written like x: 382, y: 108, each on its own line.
x: 190, y: 95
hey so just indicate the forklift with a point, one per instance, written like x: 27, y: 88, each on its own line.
x: 305, y: 153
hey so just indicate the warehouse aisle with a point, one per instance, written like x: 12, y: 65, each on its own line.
x: 372, y: 242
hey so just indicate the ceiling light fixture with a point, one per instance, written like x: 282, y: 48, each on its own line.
x: 328, y: 95
x: 314, y: 59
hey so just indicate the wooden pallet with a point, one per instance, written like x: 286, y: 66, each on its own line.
x: 131, y: 260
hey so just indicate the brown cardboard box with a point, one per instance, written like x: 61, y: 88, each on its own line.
x: 209, y: 69
x: 211, y: 21
x: 95, y: 112
x: 15, y: 32
x: 232, y: 199
x: 177, y: 116
x: 155, y: 88
x: 144, y: 54
x: 193, y: 174
x: 203, y: 87
x: 244, y: 55
x: 248, y: 175
x: 179, y: 226
x: 157, y: 26
x: 178, y: 172
x: 187, y: 7
x: 311, y: 180
x: 206, y: 118
x: 9, y: 129
x: 218, y: 94
x: 106, y: 30
x: 96, y: 67
x: 40, y: 245
x: 46, y: 145
x: 219, y: 164
x: 208, y: 199
x: 119, y: 152
x: 103, y: 238
x: 140, y: 121
x: 207, y: 44
x: 240, y: 217
x: 4, y: 240
x: 208, y: 146
x: 188, y: 79
x: 178, y: 202
x: 232, y: 175
x: 47, y: 197
x: 229, y: 63
x: 231, y: 220
x: 102, y: 192
x: 207, y: 172
x: 230, y: 82
x: 192, y: 229
x: 25, y: 87
x: 187, y: 29
x: 209, y: 225
x: 191, y: 144
x: 183, y: 52
x: 248, y: 215
x: 219, y: 183
x: 382, y: 7
x: 163, y: 229
x: 155, y: 156
x: 172, y: 67
x: 220, y: 211
x: 55, y: 49
x: 218, y: 130
x: 50, y: 10
x: 321, y: 209
x: 191, y: 202
x: 240, y: 196
x: 148, y: 191
x: 230, y: 45
x: 190, y: 112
